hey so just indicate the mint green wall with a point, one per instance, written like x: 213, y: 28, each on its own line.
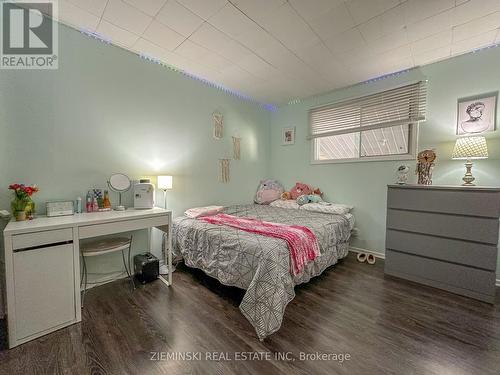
x: 364, y: 184
x: 105, y: 111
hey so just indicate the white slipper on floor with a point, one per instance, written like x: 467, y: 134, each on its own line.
x: 361, y: 257
x: 370, y: 259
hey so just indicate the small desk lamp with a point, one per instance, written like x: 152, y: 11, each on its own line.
x: 469, y: 148
x: 165, y: 183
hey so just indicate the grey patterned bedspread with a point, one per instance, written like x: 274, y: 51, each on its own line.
x: 260, y: 264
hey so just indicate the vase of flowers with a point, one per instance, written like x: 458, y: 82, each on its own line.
x: 23, y: 206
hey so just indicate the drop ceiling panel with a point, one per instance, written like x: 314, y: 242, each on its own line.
x: 204, y: 8
x: 179, y: 18
x: 150, y: 7
x: 118, y: 35
x: 363, y: 10
x: 95, y: 7
x: 332, y: 23
x: 126, y: 16
x: 163, y: 36
x: 279, y: 50
x: 77, y: 17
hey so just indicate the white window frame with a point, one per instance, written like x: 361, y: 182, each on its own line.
x: 412, y: 141
x: 411, y: 155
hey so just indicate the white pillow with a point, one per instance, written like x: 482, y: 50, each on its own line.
x: 330, y: 208
x: 289, y: 203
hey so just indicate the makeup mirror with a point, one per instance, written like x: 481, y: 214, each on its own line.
x: 119, y: 183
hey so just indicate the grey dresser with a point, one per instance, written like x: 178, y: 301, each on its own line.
x: 445, y: 237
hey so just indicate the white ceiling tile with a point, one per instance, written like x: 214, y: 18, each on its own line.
x: 143, y: 46
x: 179, y: 18
x: 418, y: 10
x: 363, y: 10
x: 192, y: 51
x: 473, y: 43
x: 232, y: 21
x: 474, y: 9
x: 163, y: 36
x: 150, y: 7
x: 257, y: 66
x: 389, y: 42
x: 116, y: 34
x: 95, y: 7
x: 216, y: 61
x: 439, y: 40
x: 390, y: 22
x: 215, y: 40
x: 76, y: 17
x: 348, y: 40
x: 313, y: 9
x: 477, y: 26
x: 430, y: 26
x: 277, y: 50
x: 127, y: 17
x: 335, y: 21
x: 257, y: 9
x: 431, y: 56
x: 204, y: 8
x: 288, y: 27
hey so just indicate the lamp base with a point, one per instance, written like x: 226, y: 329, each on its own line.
x: 468, y: 179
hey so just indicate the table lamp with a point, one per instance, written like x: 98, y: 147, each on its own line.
x: 165, y: 183
x: 469, y: 148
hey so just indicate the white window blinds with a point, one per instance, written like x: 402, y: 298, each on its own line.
x: 402, y: 105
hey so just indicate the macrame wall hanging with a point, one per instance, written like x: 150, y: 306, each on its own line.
x: 236, y: 148
x: 218, y: 120
x: 224, y: 170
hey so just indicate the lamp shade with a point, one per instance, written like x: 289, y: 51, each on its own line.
x: 470, y: 148
x: 164, y: 182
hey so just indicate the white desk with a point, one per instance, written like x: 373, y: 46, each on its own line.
x: 42, y: 266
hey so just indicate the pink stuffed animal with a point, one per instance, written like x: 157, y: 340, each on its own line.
x: 300, y: 189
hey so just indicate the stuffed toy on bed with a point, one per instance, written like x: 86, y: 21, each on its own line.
x: 300, y: 189
x: 309, y: 198
x: 268, y: 191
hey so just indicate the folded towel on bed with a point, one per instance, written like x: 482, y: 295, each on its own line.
x: 302, y: 242
x: 203, y: 211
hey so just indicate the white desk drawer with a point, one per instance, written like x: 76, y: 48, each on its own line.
x: 35, y: 239
x: 89, y: 231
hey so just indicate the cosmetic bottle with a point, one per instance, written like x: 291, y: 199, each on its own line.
x: 89, y: 203
x: 79, y: 205
x: 95, y: 205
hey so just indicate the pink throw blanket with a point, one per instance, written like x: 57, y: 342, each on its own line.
x: 302, y: 242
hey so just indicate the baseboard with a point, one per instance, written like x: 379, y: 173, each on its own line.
x: 382, y: 256
x: 360, y: 250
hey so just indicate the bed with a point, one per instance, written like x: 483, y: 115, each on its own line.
x: 260, y: 264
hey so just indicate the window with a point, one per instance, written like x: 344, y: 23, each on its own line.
x: 382, y: 126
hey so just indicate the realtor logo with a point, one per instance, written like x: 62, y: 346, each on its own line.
x: 28, y: 35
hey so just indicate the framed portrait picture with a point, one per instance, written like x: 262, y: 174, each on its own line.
x: 288, y: 136
x: 477, y: 114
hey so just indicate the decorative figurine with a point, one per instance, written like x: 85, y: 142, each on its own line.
x: 402, y: 175
x: 425, y: 164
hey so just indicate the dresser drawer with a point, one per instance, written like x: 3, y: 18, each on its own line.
x: 456, y: 251
x: 468, y: 203
x: 441, y: 274
x: 471, y: 228
x: 36, y: 239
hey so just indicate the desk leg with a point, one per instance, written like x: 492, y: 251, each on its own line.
x: 168, y: 248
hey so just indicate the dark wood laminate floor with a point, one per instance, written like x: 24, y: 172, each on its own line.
x: 386, y: 325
